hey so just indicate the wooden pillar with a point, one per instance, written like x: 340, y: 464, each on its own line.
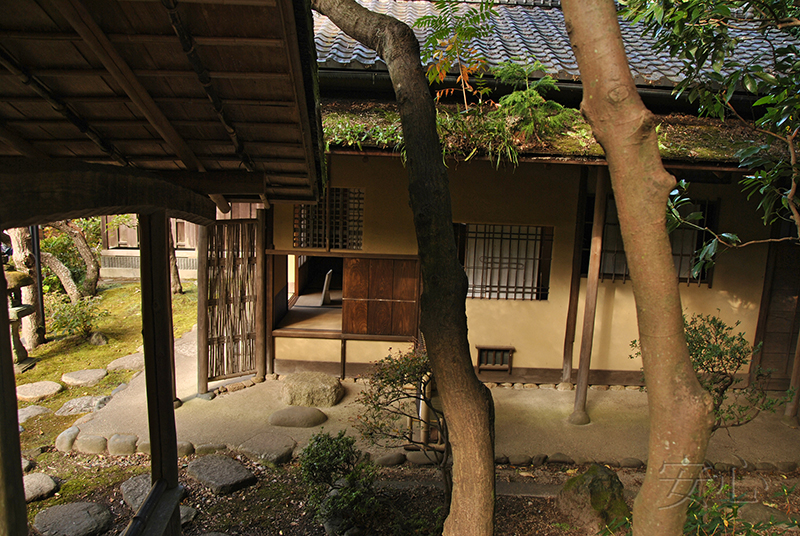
x: 575, y: 285
x: 790, y: 413
x: 159, y: 352
x: 261, y: 296
x: 202, y: 310
x: 579, y: 415
x: 13, y: 515
x: 269, y: 291
x: 343, y: 358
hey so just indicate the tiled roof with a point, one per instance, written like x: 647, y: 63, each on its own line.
x: 522, y: 30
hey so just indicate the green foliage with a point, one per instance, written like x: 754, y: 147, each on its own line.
x: 63, y: 248
x: 448, y: 44
x: 80, y: 318
x: 381, y: 129
x: 718, y: 357
x: 339, y: 479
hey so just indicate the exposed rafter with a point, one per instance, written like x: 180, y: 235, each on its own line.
x: 146, y: 38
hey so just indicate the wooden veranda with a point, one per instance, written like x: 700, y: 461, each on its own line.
x: 149, y: 107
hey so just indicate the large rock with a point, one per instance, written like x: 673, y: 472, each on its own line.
x: 298, y: 417
x: 220, y: 473
x: 311, y: 389
x: 75, y: 519
x: 23, y: 414
x: 38, y: 486
x: 34, y: 392
x: 594, y: 499
x: 84, y: 378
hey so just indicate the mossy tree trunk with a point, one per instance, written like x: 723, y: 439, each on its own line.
x: 467, y: 403
x: 24, y: 260
x: 680, y: 410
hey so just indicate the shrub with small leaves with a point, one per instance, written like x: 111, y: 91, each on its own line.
x: 79, y: 318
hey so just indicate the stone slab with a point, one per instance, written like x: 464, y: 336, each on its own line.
x: 34, y: 392
x: 298, y: 417
x: 80, y: 405
x: 221, y: 474
x: 23, y: 414
x: 210, y: 448
x: 74, y: 519
x: 38, y: 486
x: 269, y: 447
x: 128, y: 362
x: 84, y: 378
x: 135, y: 490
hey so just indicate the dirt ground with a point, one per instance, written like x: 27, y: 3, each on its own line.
x: 409, y: 500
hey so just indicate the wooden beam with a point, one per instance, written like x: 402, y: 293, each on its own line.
x: 255, y: 3
x: 139, y: 38
x: 157, y: 73
x: 579, y: 415
x: 19, y: 144
x: 39, y: 191
x: 13, y: 514
x: 159, y: 352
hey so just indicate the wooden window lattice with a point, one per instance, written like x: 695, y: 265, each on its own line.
x: 495, y: 358
x: 335, y: 223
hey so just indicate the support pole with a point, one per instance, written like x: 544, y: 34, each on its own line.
x: 202, y: 310
x: 269, y: 289
x: 579, y: 415
x: 575, y: 284
x: 261, y: 296
x: 159, y: 352
x: 13, y: 516
x: 790, y: 414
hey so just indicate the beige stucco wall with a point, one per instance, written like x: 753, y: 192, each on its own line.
x: 371, y: 351
x: 536, y: 194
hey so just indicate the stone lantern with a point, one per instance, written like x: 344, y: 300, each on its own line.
x: 16, y: 312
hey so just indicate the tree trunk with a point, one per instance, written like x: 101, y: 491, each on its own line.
x: 680, y: 410
x: 89, y: 258
x: 63, y: 274
x: 175, y: 276
x: 32, y: 328
x: 467, y: 403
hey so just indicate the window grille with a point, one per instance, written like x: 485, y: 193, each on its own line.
x: 685, y: 242
x: 496, y: 358
x: 507, y: 262
x: 335, y: 223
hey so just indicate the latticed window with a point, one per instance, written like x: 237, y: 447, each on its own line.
x: 335, y: 223
x: 495, y: 358
x: 506, y: 262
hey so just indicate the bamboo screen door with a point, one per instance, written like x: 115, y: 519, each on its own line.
x: 234, y: 296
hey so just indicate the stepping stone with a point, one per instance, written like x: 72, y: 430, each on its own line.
x: 298, y: 417
x: 311, y: 389
x: 66, y: 439
x: 84, y: 378
x: 122, y: 445
x: 90, y: 444
x: 75, y: 519
x: 418, y: 457
x: 391, y: 459
x: 34, y: 392
x: 80, y: 405
x: 269, y: 447
x: 210, y: 448
x: 220, y: 473
x: 135, y: 490
x: 757, y: 512
x: 23, y: 414
x: 38, y: 486
x: 128, y: 362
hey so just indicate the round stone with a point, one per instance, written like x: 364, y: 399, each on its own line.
x: 84, y: 378
x: 38, y: 486
x: 298, y: 417
x: 23, y: 414
x: 34, y: 392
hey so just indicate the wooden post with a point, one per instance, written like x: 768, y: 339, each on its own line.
x: 579, y: 415
x: 269, y: 291
x: 343, y: 358
x: 13, y: 515
x: 202, y: 310
x: 261, y: 296
x: 790, y: 414
x: 575, y: 285
x: 158, y: 352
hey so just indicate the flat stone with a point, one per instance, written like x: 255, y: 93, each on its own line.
x: 221, y: 473
x: 78, y: 406
x: 391, y: 459
x: 122, y: 445
x: 547, y: 386
x: 34, y: 392
x: 84, y: 378
x: 187, y: 514
x: 786, y: 467
x: 298, y: 417
x: 519, y: 386
x: 598, y: 387
x: 27, y: 465
x: 617, y: 388
x: 538, y: 459
x: 519, y: 459
x: 757, y: 512
x: 632, y: 463
x: 23, y: 414
x: 66, y: 439
x: 135, y: 490
x: 38, y: 486
x: 185, y: 448
x: 559, y: 457
x: 269, y: 447
x: 419, y: 457
x: 90, y: 444
x: 564, y: 386
x: 531, y: 386
x: 311, y: 389
x: 209, y: 448
x: 766, y: 467
x: 75, y: 519
x: 633, y: 387
x: 507, y: 385
x: 238, y: 386
x: 128, y: 362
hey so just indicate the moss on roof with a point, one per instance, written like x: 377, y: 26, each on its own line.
x: 376, y: 125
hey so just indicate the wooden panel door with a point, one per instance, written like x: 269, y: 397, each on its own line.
x: 355, y: 293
